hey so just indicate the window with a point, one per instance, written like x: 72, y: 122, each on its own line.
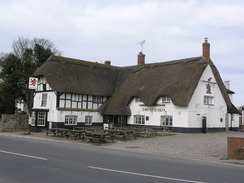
x: 139, y: 119
x: 94, y: 99
x: 165, y: 99
x: 88, y: 120
x: 97, y: 99
x: 138, y: 99
x: 167, y: 120
x: 41, y: 118
x: 208, y: 100
x: 79, y: 101
x: 70, y: 120
x: 44, y: 87
x: 44, y: 100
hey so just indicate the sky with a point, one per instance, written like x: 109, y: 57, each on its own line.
x: 100, y: 30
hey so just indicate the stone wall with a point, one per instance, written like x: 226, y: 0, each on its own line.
x: 13, y: 122
x: 235, y: 148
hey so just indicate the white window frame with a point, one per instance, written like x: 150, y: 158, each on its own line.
x: 208, y: 100
x: 165, y: 99
x: 88, y: 120
x: 139, y: 119
x: 70, y: 120
x: 167, y: 120
x: 44, y: 100
x: 41, y: 118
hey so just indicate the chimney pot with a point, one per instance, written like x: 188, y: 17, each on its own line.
x: 140, y: 58
x: 206, y: 50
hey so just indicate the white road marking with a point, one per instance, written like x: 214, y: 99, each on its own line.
x: 24, y: 155
x: 144, y: 175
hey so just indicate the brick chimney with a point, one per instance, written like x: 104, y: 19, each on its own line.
x: 206, y: 50
x: 140, y: 58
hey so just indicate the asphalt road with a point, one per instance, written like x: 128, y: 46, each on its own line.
x: 25, y: 160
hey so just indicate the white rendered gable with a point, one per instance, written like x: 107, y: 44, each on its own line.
x: 207, y: 101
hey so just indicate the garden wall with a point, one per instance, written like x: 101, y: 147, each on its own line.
x: 13, y: 122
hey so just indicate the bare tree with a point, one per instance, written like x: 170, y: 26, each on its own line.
x: 20, y: 46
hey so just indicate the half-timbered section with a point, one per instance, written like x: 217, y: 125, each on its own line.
x: 79, y: 101
x: 187, y: 95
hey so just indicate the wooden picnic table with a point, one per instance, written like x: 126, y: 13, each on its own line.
x: 162, y: 130
x: 120, y: 132
x: 58, y: 131
x: 144, y: 131
x: 96, y: 136
x: 76, y: 133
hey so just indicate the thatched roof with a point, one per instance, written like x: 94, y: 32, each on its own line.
x: 77, y: 76
x: 176, y: 79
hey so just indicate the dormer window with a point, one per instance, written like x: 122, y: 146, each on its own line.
x: 138, y: 99
x: 166, y: 99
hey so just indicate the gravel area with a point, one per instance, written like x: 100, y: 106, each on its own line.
x: 206, y: 147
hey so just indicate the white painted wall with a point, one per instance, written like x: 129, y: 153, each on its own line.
x: 233, y: 120
x: 190, y: 116
x: 197, y: 108
x: 55, y: 115
x: 154, y: 113
x: 60, y: 116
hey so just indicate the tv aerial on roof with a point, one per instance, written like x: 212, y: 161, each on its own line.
x: 141, y: 43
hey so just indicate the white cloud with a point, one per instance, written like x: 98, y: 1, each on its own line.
x: 218, y: 14
x: 99, y: 30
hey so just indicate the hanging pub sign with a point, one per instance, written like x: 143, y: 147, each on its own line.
x: 33, y: 83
